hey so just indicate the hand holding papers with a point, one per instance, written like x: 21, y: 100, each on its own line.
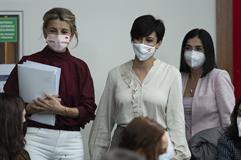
x: 34, y: 80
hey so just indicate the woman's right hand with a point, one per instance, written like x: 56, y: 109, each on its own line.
x: 33, y: 108
x: 38, y: 106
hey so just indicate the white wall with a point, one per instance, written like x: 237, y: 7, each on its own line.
x: 104, y: 27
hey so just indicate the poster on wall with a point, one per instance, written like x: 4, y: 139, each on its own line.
x: 10, y: 36
x: 5, y: 70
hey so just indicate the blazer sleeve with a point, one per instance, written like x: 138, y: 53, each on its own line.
x: 224, y: 97
x: 224, y: 149
x: 100, y: 134
x: 175, y: 119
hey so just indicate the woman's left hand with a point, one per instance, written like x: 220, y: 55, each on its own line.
x: 51, y: 103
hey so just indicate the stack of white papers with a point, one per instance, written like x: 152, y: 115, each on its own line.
x: 34, y: 80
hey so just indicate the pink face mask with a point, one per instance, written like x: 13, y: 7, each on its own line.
x: 58, y: 42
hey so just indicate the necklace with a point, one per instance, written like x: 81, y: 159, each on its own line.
x: 192, y: 84
x: 191, y: 92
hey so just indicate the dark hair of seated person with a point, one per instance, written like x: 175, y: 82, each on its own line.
x: 121, y: 154
x: 145, y: 134
x: 11, y: 133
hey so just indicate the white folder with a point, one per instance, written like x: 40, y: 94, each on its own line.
x: 34, y: 80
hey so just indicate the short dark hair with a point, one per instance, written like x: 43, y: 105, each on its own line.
x: 232, y: 129
x: 145, y: 25
x: 209, y: 52
x: 142, y: 133
x: 11, y: 133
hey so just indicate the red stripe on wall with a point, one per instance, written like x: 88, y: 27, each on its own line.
x: 237, y: 47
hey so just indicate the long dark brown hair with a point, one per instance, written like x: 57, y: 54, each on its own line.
x: 11, y: 122
x: 142, y: 133
x: 209, y: 51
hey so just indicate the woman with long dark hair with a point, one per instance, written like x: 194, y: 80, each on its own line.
x: 12, y: 117
x: 208, y: 96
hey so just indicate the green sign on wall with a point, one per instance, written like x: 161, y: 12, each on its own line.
x: 8, y: 29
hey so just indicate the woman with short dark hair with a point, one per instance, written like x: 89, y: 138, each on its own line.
x: 144, y: 86
x: 12, y: 118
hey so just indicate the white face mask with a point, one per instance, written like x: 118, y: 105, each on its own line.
x: 169, y: 155
x: 142, y: 51
x: 194, y: 59
x: 58, y: 42
x: 239, y: 126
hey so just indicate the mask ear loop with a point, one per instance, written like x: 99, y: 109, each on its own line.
x: 157, y: 54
